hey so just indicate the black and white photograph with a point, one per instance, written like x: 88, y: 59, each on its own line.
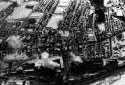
x: 62, y: 42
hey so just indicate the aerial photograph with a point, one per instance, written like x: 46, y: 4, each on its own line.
x: 62, y: 42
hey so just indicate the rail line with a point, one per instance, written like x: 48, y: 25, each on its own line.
x: 7, y: 11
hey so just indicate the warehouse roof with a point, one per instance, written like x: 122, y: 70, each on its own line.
x: 54, y: 21
x: 4, y: 5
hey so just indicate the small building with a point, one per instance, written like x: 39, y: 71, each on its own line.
x: 53, y: 22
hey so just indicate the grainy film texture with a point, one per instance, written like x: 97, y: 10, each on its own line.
x: 62, y: 42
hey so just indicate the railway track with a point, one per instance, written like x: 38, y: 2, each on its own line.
x: 78, y: 4
x: 68, y: 15
x: 78, y: 10
x: 48, y: 11
x: 41, y: 4
x: 71, y: 16
x: 5, y: 13
x: 48, y: 8
x: 17, y: 29
x: 47, y: 15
